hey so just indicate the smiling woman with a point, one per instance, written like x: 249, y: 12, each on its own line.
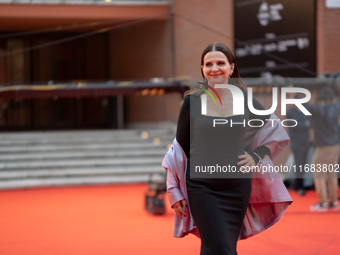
x: 216, y: 67
x: 217, y: 59
x: 215, y: 207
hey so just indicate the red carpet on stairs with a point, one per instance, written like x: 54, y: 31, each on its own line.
x: 111, y: 220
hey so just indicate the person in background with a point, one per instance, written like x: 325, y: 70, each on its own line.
x: 299, y: 143
x: 325, y: 115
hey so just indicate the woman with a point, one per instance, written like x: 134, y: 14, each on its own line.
x: 214, y: 208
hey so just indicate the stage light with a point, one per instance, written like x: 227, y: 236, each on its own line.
x: 144, y: 134
x: 156, y: 141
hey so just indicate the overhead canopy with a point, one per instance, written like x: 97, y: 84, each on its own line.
x: 19, y: 17
x: 78, y: 90
x: 157, y: 87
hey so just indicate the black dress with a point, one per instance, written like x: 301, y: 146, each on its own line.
x: 217, y: 205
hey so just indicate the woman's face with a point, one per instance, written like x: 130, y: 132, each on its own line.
x: 216, y: 67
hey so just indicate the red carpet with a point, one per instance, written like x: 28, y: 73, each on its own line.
x: 112, y: 220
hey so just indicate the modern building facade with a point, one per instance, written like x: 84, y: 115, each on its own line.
x: 55, y: 44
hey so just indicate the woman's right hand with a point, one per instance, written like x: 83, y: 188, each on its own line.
x: 179, y: 206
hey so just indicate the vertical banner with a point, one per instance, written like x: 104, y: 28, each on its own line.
x: 275, y: 38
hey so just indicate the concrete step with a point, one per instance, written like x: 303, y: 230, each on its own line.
x: 82, y: 171
x: 88, y: 146
x: 73, y: 181
x: 56, y: 135
x: 59, y: 133
x: 79, y: 163
x: 43, y: 155
x: 46, y: 159
x: 80, y: 140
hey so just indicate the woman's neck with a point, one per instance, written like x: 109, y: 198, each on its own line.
x: 220, y: 91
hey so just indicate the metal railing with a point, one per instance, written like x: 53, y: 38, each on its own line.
x: 86, y: 2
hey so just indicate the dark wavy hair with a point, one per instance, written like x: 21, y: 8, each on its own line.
x: 236, y: 78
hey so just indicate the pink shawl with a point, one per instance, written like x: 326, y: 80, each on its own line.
x: 269, y: 197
